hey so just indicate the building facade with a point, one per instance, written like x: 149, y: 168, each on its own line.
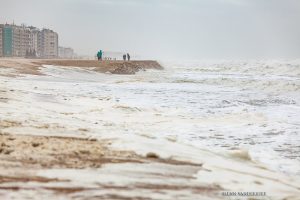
x: 23, y: 41
x: 65, y: 52
x: 48, y: 44
x: 7, y: 41
x: 33, y: 42
x: 1, y: 43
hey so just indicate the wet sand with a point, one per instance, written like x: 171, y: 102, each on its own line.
x: 41, y: 152
x: 31, y: 66
x: 20, y: 154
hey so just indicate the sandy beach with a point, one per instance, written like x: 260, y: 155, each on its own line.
x: 31, y: 66
x: 56, y: 143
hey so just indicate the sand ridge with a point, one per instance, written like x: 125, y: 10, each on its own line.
x: 32, y: 66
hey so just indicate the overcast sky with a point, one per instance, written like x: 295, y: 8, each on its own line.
x: 167, y: 29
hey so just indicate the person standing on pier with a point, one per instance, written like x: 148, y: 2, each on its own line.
x: 124, y: 57
x: 128, y: 56
x: 99, y: 55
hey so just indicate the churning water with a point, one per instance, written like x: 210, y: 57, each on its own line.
x: 221, y: 106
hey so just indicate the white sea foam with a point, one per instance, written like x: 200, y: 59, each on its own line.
x: 221, y: 106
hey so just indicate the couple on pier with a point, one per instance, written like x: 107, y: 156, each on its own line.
x: 126, y: 55
x: 100, y: 55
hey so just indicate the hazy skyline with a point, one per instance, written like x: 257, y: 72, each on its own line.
x: 167, y: 29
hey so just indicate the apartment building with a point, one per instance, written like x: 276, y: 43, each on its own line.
x: 23, y: 41
x: 33, y: 41
x: 1, y: 43
x: 7, y: 41
x: 48, y: 44
x: 65, y: 52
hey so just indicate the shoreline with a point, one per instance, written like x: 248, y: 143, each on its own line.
x: 31, y: 66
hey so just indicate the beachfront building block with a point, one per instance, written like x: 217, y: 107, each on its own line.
x: 33, y: 42
x: 7, y: 41
x: 1, y: 43
x: 65, y: 52
x: 48, y: 44
x: 23, y: 41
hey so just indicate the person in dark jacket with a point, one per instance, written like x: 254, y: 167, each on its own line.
x: 124, y: 57
x: 99, y: 55
x: 128, y: 56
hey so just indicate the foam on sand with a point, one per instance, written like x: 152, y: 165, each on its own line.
x: 76, y: 133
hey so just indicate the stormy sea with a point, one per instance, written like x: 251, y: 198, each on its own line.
x: 216, y: 105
